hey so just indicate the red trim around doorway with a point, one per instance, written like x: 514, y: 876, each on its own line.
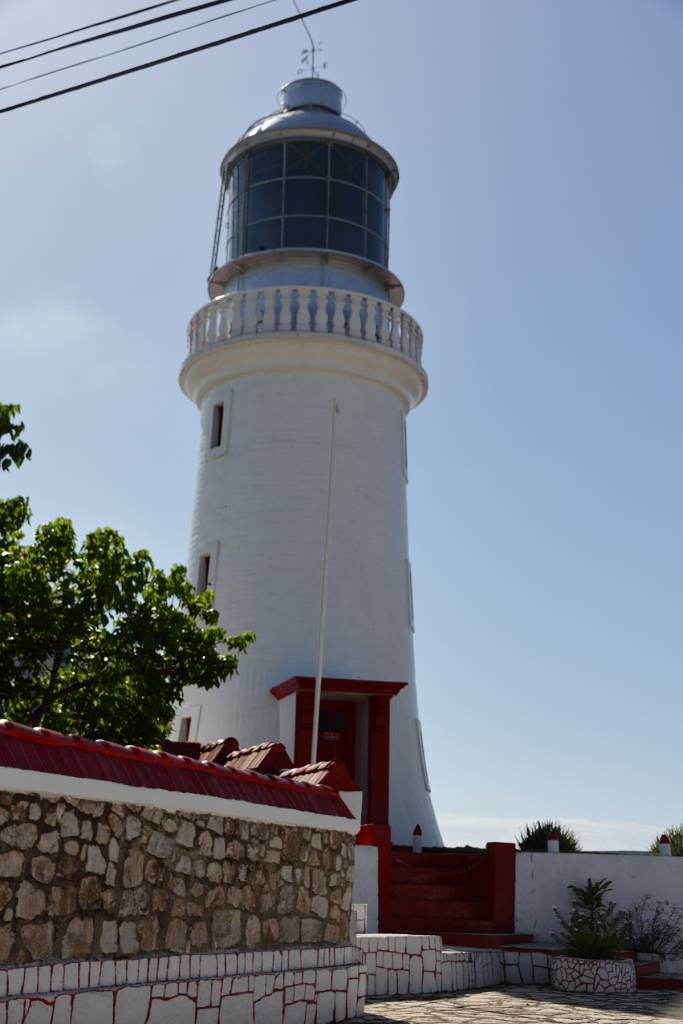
x: 362, y: 687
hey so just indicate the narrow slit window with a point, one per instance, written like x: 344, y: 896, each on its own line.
x: 217, y: 426
x: 409, y: 583
x: 184, y: 730
x: 204, y: 570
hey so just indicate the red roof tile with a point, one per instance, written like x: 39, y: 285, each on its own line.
x: 326, y: 773
x: 265, y: 757
x: 42, y: 750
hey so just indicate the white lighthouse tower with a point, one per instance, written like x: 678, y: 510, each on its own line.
x: 305, y: 313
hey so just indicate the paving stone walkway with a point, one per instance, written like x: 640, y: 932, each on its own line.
x: 522, y: 1005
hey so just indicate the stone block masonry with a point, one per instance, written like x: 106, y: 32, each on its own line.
x: 87, y: 878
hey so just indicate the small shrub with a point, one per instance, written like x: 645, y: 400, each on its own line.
x: 534, y: 838
x: 656, y: 926
x: 675, y: 834
x: 595, y: 929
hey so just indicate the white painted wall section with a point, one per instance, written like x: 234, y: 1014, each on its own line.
x: 365, y: 883
x: 542, y: 879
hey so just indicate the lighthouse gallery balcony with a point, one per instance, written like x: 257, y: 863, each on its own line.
x: 302, y: 311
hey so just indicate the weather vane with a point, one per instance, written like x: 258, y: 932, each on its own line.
x: 308, y: 56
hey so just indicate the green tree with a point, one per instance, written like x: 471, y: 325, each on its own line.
x: 94, y: 639
x: 675, y: 834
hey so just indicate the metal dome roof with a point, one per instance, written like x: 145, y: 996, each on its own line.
x: 308, y: 103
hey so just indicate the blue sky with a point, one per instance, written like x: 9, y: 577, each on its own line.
x: 537, y: 230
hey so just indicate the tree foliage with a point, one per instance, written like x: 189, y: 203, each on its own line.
x: 13, y: 450
x: 534, y: 838
x: 595, y: 929
x: 94, y: 639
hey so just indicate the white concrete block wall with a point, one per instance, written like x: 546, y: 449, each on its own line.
x: 260, y: 513
x: 418, y: 965
x: 541, y: 881
x: 308, y: 985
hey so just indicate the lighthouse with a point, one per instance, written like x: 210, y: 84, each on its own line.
x: 304, y: 362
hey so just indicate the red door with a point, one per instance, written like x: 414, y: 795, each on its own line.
x: 337, y: 735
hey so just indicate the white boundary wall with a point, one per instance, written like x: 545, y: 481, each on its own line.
x: 542, y: 879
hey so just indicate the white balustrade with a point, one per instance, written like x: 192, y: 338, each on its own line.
x: 304, y: 311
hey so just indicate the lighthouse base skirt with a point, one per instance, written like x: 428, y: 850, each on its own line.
x: 307, y: 985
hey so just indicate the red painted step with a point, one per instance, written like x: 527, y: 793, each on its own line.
x: 661, y: 981
x: 644, y: 968
x: 431, y: 875
x: 440, y: 890
x: 443, y: 910
x: 484, y: 940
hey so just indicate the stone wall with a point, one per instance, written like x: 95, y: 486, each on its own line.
x: 80, y: 878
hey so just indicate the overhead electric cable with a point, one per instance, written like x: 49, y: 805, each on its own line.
x: 176, y: 56
x: 84, y: 28
x: 118, y: 31
x: 135, y: 46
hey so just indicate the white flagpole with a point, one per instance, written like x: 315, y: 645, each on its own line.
x: 323, y: 592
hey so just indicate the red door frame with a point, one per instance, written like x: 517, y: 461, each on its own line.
x: 379, y: 696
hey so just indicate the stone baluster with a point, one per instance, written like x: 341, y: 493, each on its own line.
x: 381, y: 322
x: 238, y: 320
x: 408, y: 348
x: 227, y: 305
x: 217, y: 321
x: 294, y: 309
x: 393, y: 326
x: 313, y: 309
x: 268, y: 311
x: 249, y: 315
x: 345, y: 303
x: 220, y: 320
x: 333, y: 312
x: 364, y: 311
x: 277, y: 309
x: 354, y: 320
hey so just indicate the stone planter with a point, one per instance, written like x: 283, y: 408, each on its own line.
x: 572, y: 974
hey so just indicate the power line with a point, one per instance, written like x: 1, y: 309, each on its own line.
x: 117, y: 31
x: 84, y: 28
x: 134, y: 46
x: 176, y: 56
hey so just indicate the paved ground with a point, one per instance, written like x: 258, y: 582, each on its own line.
x: 528, y: 1006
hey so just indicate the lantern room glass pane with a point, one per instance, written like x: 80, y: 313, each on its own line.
x: 265, y: 201
x: 377, y: 180
x: 306, y: 196
x: 305, y: 232
x: 266, y: 234
x: 348, y: 165
x: 376, y: 216
x: 346, y: 202
x: 307, y: 159
x: 346, y: 237
x: 266, y: 163
x: 376, y: 249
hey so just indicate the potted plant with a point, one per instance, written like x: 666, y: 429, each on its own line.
x: 592, y: 938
